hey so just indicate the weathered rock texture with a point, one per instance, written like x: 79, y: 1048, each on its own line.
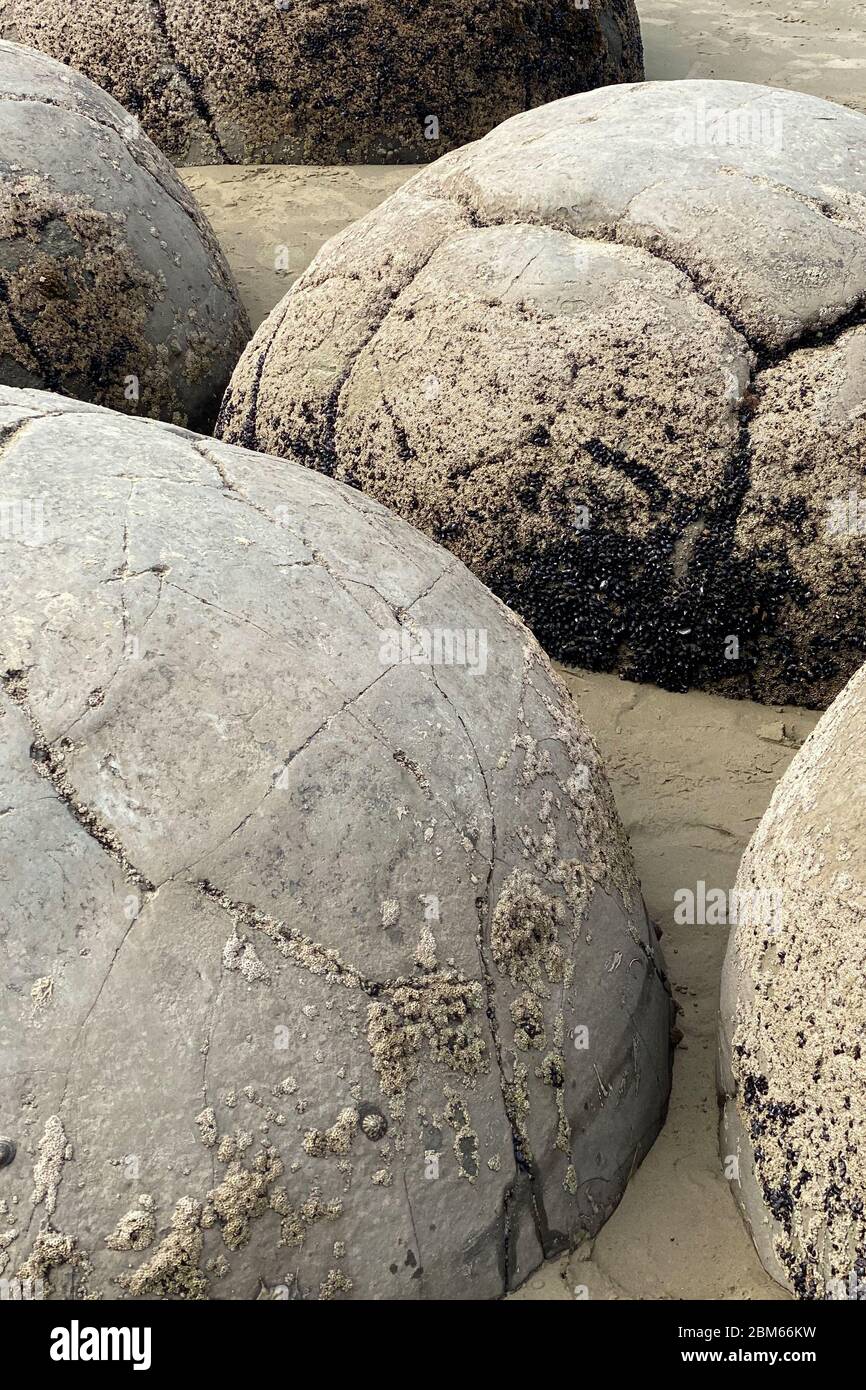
x: 112, y: 285
x: 326, y: 972
x: 793, y: 1017
x: 322, y: 81
x: 612, y: 356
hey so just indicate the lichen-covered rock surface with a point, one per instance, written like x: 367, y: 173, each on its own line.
x: 322, y: 81
x: 793, y: 1017
x: 614, y: 356
x: 326, y: 972
x: 112, y: 286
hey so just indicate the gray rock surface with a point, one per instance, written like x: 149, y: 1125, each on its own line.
x: 326, y: 972
x: 793, y: 1017
x: 612, y: 356
x: 112, y: 286
x: 320, y: 81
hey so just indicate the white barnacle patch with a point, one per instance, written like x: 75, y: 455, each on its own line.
x: 54, y: 1151
x: 240, y: 955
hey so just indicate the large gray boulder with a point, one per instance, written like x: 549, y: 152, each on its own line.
x: 325, y: 969
x: 612, y: 355
x: 112, y: 285
x: 793, y: 1017
x: 323, y: 81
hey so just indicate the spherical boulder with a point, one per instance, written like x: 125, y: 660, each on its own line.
x: 612, y: 355
x: 112, y: 286
x: 793, y: 1017
x: 322, y: 81
x: 327, y: 972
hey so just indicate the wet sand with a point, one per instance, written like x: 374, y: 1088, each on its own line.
x: 692, y: 774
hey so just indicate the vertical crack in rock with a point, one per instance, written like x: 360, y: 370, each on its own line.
x: 192, y: 83
x: 414, y: 771
x: 249, y: 435
x: 49, y: 765
x: 737, y: 490
x: 483, y: 908
x: 330, y: 408
x: 419, y: 1273
x: 46, y: 368
x: 120, y: 576
x: 81, y: 1029
x: 208, y: 1043
x: 96, y: 998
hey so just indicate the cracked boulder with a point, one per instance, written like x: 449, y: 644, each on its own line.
x: 793, y: 1017
x: 112, y: 286
x: 325, y: 82
x: 325, y: 968
x: 614, y: 357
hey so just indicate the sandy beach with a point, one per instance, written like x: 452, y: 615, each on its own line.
x: 816, y: 46
x: 692, y: 774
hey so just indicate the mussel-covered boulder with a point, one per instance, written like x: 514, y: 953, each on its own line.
x: 326, y: 972
x: 326, y: 82
x: 612, y: 355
